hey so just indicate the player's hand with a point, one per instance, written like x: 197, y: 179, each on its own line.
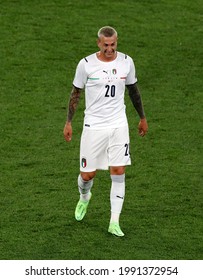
x: 143, y: 127
x: 67, y: 131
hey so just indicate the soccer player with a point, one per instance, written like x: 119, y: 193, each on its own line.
x: 105, y: 137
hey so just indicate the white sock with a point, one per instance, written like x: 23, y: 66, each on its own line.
x: 84, y: 188
x: 117, y: 195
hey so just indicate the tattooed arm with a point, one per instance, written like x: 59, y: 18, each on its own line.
x: 73, y: 102
x: 135, y: 97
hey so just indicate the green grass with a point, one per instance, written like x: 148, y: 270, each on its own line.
x: 41, y: 43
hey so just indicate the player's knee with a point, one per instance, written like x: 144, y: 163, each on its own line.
x: 87, y: 176
x: 117, y: 170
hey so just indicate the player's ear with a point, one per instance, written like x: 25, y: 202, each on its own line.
x: 98, y: 42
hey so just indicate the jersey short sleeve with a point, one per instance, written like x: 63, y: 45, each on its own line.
x: 131, y: 78
x: 80, y: 78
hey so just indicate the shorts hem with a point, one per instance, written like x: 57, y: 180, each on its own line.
x: 93, y: 169
x: 104, y: 168
x: 120, y: 164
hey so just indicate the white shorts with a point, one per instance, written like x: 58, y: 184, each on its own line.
x: 102, y: 148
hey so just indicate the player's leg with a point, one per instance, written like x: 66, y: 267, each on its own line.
x: 85, y: 183
x: 119, y: 157
x: 93, y: 156
x: 117, y: 195
x: 87, y: 173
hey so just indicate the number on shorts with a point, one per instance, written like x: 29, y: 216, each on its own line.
x: 126, y: 150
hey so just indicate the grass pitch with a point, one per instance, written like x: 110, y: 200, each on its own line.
x: 41, y: 43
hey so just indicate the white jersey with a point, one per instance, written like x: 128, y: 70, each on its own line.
x: 104, y: 84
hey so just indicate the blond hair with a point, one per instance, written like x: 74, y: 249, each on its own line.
x: 107, y: 31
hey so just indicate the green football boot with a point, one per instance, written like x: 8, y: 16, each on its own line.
x: 81, y: 209
x: 115, y: 229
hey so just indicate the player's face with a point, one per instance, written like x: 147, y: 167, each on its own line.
x: 107, y: 46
